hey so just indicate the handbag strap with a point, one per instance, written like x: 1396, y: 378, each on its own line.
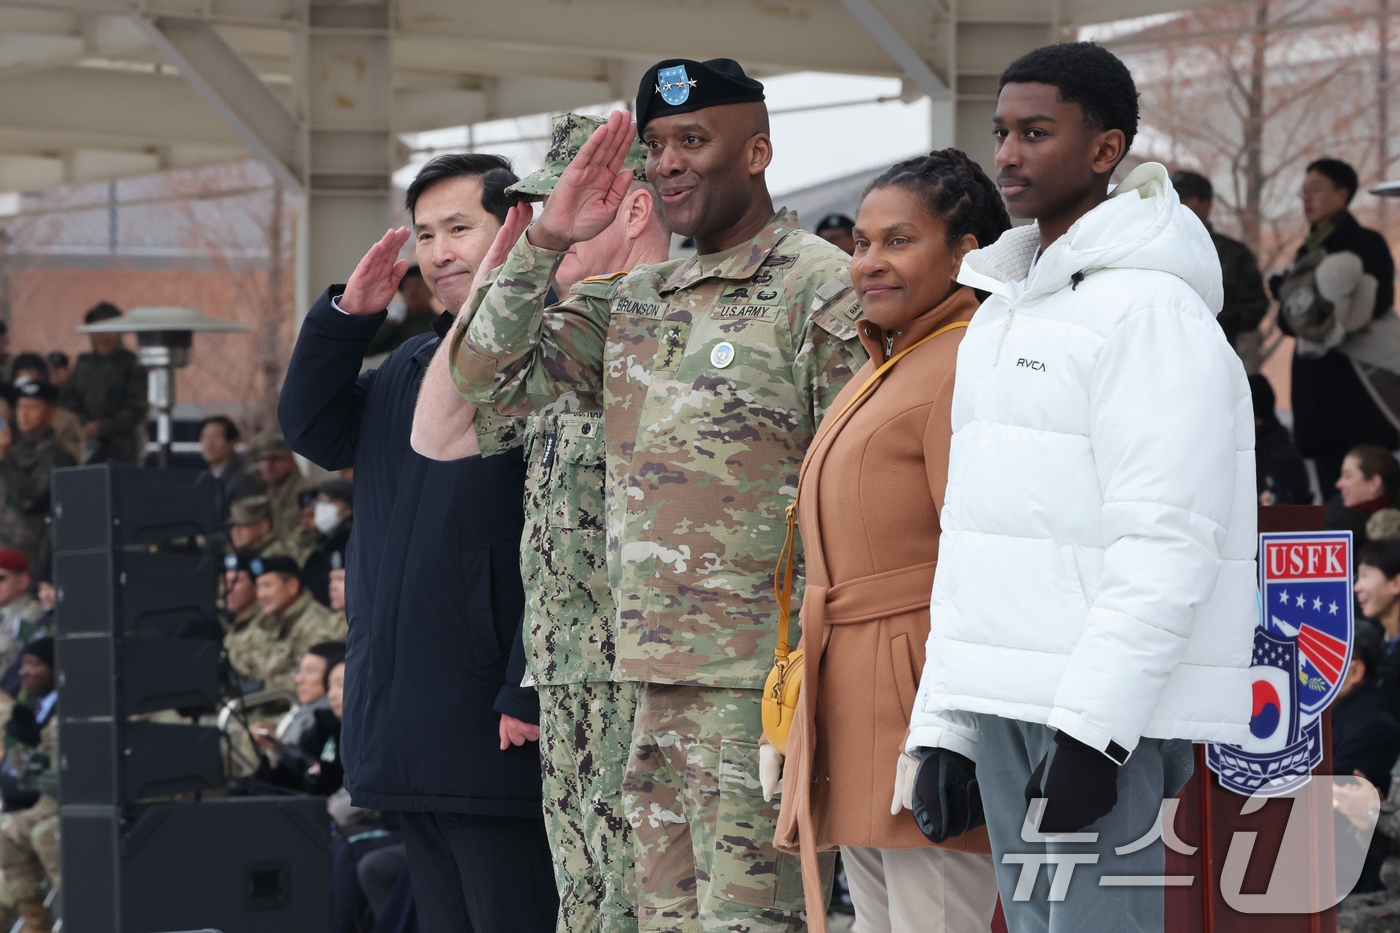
x: 782, y: 576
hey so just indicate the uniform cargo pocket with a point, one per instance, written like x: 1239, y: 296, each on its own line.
x: 576, y: 489
x: 746, y: 868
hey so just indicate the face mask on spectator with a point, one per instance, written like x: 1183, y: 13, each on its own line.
x: 327, y: 517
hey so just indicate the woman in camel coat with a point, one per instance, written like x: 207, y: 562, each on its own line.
x: 868, y: 511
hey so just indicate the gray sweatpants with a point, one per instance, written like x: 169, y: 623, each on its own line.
x: 1078, y: 886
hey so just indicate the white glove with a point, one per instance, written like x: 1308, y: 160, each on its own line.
x: 770, y: 771
x: 905, y: 770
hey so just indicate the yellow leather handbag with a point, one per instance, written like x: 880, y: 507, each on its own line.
x: 784, y: 684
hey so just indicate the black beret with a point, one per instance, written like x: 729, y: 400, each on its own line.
x: 306, y: 498
x: 680, y: 85
x: 58, y: 358
x: 275, y: 563
x: 34, y: 389
x: 239, y: 560
x: 835, y: 222
x: 41, y: 648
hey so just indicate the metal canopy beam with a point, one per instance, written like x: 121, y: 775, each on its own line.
x: 234, y: 92
x: 904, y: 55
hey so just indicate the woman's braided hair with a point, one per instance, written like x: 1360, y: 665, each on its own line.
x: 956, y: 192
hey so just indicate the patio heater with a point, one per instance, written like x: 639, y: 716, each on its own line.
x: 163, y: 340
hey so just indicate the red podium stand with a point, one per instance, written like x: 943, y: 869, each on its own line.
x: 1208, y: 817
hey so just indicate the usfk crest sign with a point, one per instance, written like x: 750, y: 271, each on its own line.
x: 1302, y: 648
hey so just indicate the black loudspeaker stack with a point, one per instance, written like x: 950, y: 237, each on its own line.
x: 138, y: 634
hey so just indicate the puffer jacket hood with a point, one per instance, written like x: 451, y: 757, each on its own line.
x: 1096, y: 567
x: 1142, y: 226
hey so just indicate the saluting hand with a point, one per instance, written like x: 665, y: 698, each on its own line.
x: 588, y: 194
x: 375, y: 280
x: 517, y: 219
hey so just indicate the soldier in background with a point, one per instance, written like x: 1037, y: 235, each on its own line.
x: 282, y: 480
x: 107, y: 391
x: 268, y: 650
x: 250, y: 528
x: 333, y: 518
x: 239, y: 602
x: 30, y: 367
x: 18, y: 610
x: 27, y: 462
x: 585, y: 717
x: 713, y: 373
x: 1246, y: 302
x: 29, y: 838
x: 839, y: 231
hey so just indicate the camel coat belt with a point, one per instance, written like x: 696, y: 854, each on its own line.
x: 869, y: 520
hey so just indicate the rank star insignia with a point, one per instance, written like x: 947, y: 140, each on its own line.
x: 722, y: 355
x: 673, y: 84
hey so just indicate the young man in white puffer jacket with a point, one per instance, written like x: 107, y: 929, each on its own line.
x: 1094, y: 602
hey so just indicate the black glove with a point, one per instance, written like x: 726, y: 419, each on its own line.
x: 947, y: 800
x: 23, y: 727
x: 1080, y: 785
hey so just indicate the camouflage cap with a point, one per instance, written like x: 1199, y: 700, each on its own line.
x: 250, y: 511
x: 570, y: 131
x: 268, y: 445
x: 1383, y: 525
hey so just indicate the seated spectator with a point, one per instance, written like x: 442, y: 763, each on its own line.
x: 334, y: 516
x: 217, y: 437
x: 29, y: 838
x: 336, y: 588
x: 59, y: 368
x: 31, y: 367
x: 19, y: 612
x: 1383, y: 525
x: 311, y: 765
x: 420, y: 313
x: 1378, y: 593
x: 291, y: 622
x: 1281, y: 478
x: 303, y: 540
x: 29, y: 456
x: 310, y: 682
x: 107, y: 391
x: 282, y: 479
x: 251, y: 529
x: 240, y: 594
x: 43, y: 627
x: 838, y: 230
x: 1365, y: 737
x: 1369, y: 482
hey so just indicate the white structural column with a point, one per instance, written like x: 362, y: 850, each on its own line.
x: 343, y: 78
x: 333, y: 151
x: 954, y: 53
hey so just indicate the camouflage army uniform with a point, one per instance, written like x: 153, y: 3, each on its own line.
x: 585, y: 717
x: 270, y: 648
x: 17, y: 628
x: 713, y: 373
x: 29, y: 838
x: 28, y: 470
x: 110, y: 390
